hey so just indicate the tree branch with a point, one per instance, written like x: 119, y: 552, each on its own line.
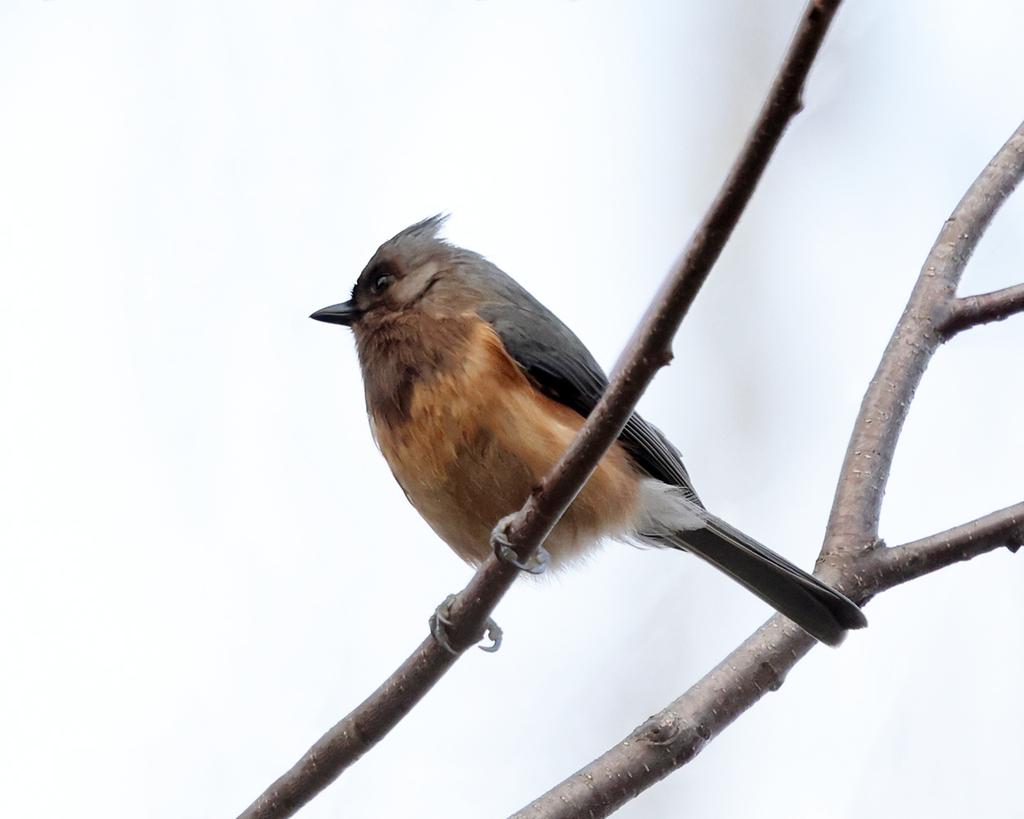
x: 677, y: 734
x: 673, y: 737
x: 647, y: 352
x: 853, y: 523
x: 970, y: 311
x: 650, y: 347
x: 920, y: 557
x: 852, y: 557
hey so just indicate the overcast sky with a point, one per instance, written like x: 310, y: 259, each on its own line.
x: 206, y: 563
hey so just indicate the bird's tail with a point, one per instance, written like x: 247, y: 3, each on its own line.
x: 820, y: 610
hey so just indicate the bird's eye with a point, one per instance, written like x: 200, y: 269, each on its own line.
x: 381, y: 282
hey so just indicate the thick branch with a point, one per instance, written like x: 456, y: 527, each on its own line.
x: 647, y: 352
x: 676, y: 735
x: 920, y: 557
x: 853, y: 524
x: 970, y: 311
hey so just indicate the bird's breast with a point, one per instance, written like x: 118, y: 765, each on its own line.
x: 477, y: 437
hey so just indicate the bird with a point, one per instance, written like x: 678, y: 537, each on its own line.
x: 474, y: 389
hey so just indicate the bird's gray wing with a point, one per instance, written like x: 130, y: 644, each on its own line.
x: 561, y: 366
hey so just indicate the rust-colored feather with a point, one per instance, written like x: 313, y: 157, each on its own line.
x: 478, y: 436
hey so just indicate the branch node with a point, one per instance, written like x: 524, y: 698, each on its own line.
x: 681, y: 739
x: 769, y: 677
x: 663, y: 730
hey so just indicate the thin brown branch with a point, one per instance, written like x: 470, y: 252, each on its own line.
x: 673, y: 737
x: 650, y: 347
x: 646, y: 353
x: 970, y: 311
x: 920, y: 557
x: 347, y: 741
x: 853, y: 524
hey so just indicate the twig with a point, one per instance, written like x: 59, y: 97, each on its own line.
x: 647, y: 352
x: 970, y: 311
x: 920, y: 557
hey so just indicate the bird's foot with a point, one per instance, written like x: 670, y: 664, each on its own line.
x: 439, y: 624
x: 538, y: 562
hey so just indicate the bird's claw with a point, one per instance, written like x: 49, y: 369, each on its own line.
x: 539, y: 560
x: 439, y: 623
x: 493, y: 631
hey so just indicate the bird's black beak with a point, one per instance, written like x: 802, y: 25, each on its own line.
x: 345, y: 313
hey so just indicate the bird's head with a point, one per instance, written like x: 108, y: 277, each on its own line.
x: 414, y: 271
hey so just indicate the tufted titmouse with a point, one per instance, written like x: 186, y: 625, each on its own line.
x: 474, y: 389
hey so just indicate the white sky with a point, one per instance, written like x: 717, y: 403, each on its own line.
x: 205, y: 561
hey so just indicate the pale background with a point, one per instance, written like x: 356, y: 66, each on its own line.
x: 205, y: 563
